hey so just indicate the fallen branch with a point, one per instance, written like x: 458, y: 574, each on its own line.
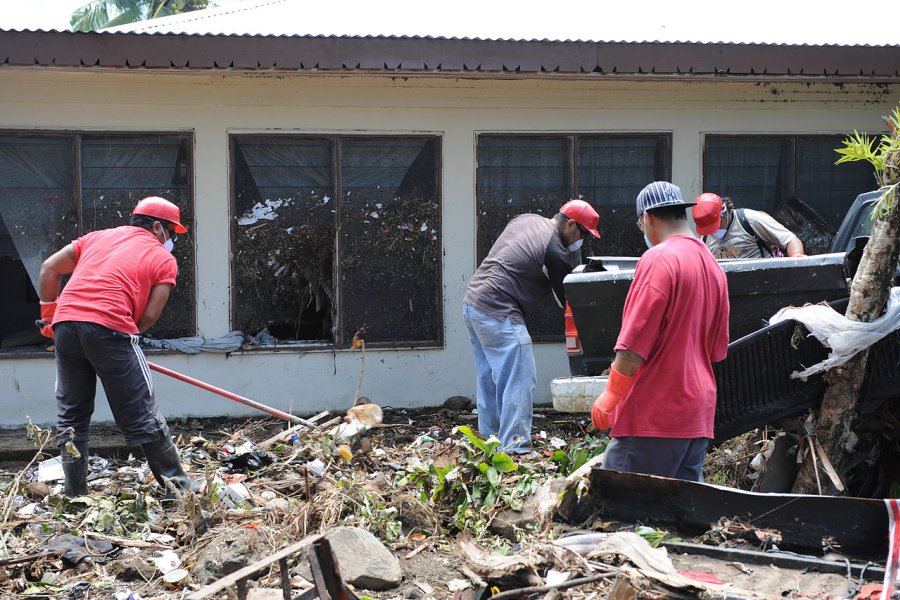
x: 291, y: 430
x: 541, y: 589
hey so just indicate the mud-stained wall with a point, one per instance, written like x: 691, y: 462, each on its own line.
x: 213, y: 107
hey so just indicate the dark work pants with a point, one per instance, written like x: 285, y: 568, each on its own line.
x: 668, y: 457
x: 86, y: 351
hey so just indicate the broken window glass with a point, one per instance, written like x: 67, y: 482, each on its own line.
x: 760, y: 172
x: 538, y: 174
x: 293, y: 194
x: 54, y: 187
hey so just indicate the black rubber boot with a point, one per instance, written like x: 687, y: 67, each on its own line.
x: 162, y: 456
x: 75, y: 470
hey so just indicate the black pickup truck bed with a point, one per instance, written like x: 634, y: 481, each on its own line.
x: 757, y: 289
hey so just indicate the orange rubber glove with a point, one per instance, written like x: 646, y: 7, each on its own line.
x: 605, y: 404
x: 48, y: 309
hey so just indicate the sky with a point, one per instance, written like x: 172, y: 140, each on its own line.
x: 760, y: 21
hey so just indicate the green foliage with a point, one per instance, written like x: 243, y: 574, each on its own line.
x: 578, y: 454
x: 127, y: 515
x: 654, y: 536
x: 861, y: 147
x: 473, y: 489
x: 895, y: 490
x: 99, y: 14
x: 370, y: 511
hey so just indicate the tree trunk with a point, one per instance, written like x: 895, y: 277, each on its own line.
x: 868, y: 295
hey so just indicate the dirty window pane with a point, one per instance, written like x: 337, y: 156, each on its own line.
x: 37, y: 218
x: 827, y: 187
x: 755, y: 172
x: 516, y: 175
x: 390, y: 240
x: 611, y: 172
x: 523, y: 173
x: 283, y: 232
x: 761, y: 172
x: 116, y: 172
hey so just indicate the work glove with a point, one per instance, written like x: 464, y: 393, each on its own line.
x: 605, y: 405
x: 48, y: 309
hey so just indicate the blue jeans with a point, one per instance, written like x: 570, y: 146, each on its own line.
x: 504, y: 362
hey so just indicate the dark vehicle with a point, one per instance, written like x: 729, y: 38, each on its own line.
x: 754, y: 384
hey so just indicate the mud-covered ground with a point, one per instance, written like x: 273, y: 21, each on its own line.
x: 416, y: 481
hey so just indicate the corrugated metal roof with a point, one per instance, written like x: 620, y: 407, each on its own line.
x: 699, y: 21
x: 413, y: 56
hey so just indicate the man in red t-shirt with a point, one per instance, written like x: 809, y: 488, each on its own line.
x: 121, y: 279
x: 660, y: 399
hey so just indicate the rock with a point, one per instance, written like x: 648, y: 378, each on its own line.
x: 413, y: 592
x: 134, y: 568
x: 227, y: 554
x: 364, y: 561
x: 512, y: 524
x: 458, y: 403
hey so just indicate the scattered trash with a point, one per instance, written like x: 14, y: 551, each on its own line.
x: 406, y: 488
x: 457, y: 585
x: 247, y: 461
x: 51, y: 470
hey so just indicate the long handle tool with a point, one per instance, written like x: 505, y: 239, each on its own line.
x: 231, y: 395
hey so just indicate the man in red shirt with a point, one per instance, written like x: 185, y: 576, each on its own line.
x: 660, y: 399
x: 121, y: 279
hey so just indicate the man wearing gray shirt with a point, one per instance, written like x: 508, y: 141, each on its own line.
x: 528, y: 261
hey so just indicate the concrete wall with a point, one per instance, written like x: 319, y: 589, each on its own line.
x: 212, y: 106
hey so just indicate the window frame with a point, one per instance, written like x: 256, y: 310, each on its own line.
x: 77, y: 136
x: 335, y: 138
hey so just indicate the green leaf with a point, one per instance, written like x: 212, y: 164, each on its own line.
x: 493, y: 476
x: 559, y: 457
x: 503, y: 463
x: 895, y: 490
x: 473, y: 437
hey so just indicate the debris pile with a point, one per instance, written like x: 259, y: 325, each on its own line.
x: 381, y: 502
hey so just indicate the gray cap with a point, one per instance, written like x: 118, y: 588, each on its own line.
x: 659, y: 194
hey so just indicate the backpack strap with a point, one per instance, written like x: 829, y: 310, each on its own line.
x: 742, y: 219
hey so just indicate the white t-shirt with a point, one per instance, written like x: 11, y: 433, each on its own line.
x: 738, y: 243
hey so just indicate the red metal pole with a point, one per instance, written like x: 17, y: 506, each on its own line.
x: 230, y: 395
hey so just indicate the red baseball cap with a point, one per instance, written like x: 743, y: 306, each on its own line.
x: 707, y: 213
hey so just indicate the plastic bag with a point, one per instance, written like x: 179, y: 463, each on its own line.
x: 845, y: 337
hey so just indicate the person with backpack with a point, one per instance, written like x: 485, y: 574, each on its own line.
x: 741, y: 232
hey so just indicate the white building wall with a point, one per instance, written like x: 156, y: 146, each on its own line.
x: 214, y: 106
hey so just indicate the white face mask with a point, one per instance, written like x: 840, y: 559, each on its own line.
x: 719, y: 233
x: 576, y: 245
x: 647, y: 241
x: 169, y: 244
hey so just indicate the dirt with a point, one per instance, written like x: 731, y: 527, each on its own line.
x: 212, y: 536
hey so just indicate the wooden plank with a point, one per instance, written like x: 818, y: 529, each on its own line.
x: 250, y: 570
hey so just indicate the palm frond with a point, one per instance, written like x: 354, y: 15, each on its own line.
x: 90, y: 17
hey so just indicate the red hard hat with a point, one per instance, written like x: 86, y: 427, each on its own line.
x: 707, y: 213
x: 582, y: 213
x: 160, y: 208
